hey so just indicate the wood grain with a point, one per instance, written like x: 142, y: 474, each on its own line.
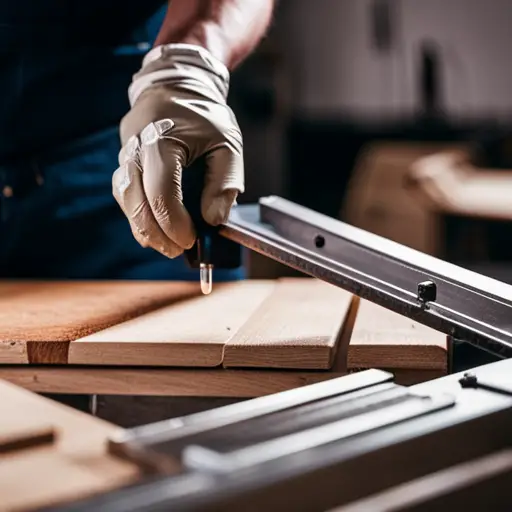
x: 74, y: 466
x: 384, y: 339
x: 13, y: 352
x: 39, y: 319
x: 286, y: 324
x: 159, y: 381
x: 297, y: 326
x: 191, y: 333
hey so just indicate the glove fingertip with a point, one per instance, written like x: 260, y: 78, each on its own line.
x: 215, y: 210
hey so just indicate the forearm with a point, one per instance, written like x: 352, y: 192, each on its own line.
x: 228, y: 29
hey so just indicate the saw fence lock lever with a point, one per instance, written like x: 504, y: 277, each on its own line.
x: 427, y: 292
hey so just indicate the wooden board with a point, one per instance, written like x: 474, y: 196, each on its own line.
x: 300, y: 324
x: 160, y: 381
x: 21, y: 429
x: 39, y: 319
x: 288, y: 323
x: 297, y: 326
x: 384, y: 339
x: 74, y: 466
x: 447, y: 182
x: 192, y: 333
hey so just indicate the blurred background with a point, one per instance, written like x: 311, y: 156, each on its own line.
x: 392, y: 115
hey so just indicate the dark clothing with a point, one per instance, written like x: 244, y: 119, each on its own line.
x: 65, y: 68
x: 61, y: 221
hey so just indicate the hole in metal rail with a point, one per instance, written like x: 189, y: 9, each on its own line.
x: 319, y: 241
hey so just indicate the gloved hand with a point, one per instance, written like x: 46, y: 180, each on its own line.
x: 178, y: 113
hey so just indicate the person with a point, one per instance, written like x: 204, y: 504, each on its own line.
x: 102, y: 116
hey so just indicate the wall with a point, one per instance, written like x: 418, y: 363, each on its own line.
x: 336, y: 70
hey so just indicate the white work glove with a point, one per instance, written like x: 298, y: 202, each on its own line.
x: 178, y: 113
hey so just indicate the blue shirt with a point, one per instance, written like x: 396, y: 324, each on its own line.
x: 65, y: 67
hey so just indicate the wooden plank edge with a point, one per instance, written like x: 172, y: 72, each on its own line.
x: 340, y: 354
x: 322, y: 361
x: 156, y: 354
x: 419, y: 357
x: 159, y: 381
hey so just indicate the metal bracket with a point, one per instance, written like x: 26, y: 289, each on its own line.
x: 445, y: 297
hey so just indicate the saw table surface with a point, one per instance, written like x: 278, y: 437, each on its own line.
x: 278, y: 332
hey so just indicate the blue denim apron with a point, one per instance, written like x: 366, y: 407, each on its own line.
x: 61, y: 99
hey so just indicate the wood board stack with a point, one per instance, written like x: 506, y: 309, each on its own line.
x: 300, y: 329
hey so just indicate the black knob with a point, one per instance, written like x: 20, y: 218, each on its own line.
x: 427, y: 291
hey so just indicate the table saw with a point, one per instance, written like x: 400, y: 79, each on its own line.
x: 355, y: 443
x: 379, y: 439
x: 138, y: 352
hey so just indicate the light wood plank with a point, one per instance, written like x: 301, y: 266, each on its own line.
x: 297, y: 326
x: 384, y: 339
x: 74, y: 466
x: 217, y: 383
x: 38, y: 319
x: 239, y: 325
x: 159, y: 381
x: 447, y: 182
x: 191, y: 333
x: 13, y: 352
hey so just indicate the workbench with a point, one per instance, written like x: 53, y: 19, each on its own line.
x: 143, y: 351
